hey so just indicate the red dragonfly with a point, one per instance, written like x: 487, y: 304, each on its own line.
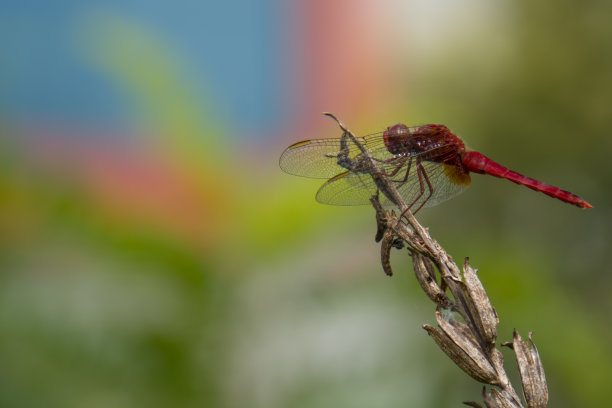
x: 428, y: 165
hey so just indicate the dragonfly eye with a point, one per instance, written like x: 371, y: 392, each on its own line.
x: 398, y: 130
x: 396, y: 138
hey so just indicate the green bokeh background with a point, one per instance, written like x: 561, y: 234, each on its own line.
x: 252, y: 294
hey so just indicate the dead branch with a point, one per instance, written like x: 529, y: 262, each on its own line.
x: 471, y: 341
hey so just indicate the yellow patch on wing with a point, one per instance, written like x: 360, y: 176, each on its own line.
x: 299, y: 144
x: 457, y: 175
x: 339, y: 176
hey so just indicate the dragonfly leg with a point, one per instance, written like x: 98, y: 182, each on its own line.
x: 421, y: 187
x: 401, y: 161
x: 398, y: 168
x: 420, y: 171
x: 422, y: 175
x: 395, y: 171
x: 407, y: 170
x: 429, y: 187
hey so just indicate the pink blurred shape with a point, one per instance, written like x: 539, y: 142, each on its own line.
x: 342, y: 59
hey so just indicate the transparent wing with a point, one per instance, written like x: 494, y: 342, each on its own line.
x: 316, y: 158
x: 433, y: 184
x: 445, y: 182
x: 347, y: 189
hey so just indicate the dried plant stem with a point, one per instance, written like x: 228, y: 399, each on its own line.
x: 472, y: 342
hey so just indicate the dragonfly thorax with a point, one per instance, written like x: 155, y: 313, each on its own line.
x: 437, y: 139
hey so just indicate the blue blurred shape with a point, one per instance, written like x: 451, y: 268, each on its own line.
x: 233, y: 47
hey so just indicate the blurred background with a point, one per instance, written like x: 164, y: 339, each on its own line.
x: 153, y: 253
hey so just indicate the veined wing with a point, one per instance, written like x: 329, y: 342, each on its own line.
x: 317, y: 158
x: 446, y: 181
x: 347, y: 189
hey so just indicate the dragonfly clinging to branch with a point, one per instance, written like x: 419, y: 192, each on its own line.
x: 427, y: 164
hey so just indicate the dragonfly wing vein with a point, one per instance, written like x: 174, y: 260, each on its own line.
x: 347, y: 189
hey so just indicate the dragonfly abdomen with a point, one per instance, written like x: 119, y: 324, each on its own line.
x: 479, y: 163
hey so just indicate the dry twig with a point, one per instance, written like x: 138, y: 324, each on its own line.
x: 470, y: 343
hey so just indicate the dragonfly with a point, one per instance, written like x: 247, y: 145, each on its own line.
x: 427, y: 164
